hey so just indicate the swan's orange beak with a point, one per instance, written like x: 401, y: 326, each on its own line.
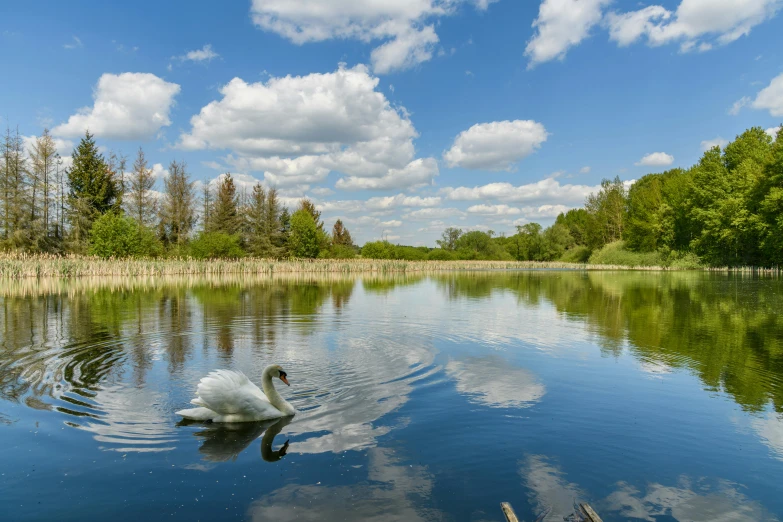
x: 283, y: 378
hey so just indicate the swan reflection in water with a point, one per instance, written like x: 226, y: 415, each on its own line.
x: 222, y: 442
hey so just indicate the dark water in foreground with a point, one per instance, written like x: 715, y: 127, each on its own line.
x: 654, y: 397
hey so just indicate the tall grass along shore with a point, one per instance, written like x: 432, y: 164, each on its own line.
x: 43, y: 266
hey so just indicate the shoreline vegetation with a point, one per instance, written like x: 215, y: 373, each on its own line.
x: 371, y: 281
x: 97, y: 218
x: 38, y: 266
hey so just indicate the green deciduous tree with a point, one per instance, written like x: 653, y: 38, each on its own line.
x: 725, y: 198
x: 770, y: 206
x: 644, y: 229
x: 448, y: 240
x: 304, y: 240
x: 606, y: 210
x: 577, y: 221
x: 554, y: 242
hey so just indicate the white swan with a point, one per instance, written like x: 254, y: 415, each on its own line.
x: 229, y: 396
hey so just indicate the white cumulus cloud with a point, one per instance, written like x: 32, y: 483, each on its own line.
x: 401, y: 200
x: 716, y: 142
x: 494, y: 210
x: 770, y: 98
x: 205, y: 54
x: 405, y: 28
x: 427, y: 214
x: 560, y: 25
x: 297, y: 129
x: 655, y: 159
x: 159, y: 172
x: 128, y: 106
x: 496, y: 145
x: 322, y: 191
x: 738, y: 105
x: 695, y: 24
x: 545, y: 191
x: 773, y: 132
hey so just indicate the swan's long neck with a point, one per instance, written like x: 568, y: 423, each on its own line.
x: 271, y: 393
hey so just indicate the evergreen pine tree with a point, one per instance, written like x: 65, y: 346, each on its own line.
x: 14, y: 189
x: 340, y: 234
x: 178, y: 210
x: 206, y: 210
x: 140, y: 203
x: 93, y: 190
x: 285, y: 232
x: 44, y: 158
x: 258, y: 240
x: 224, y: 216
x: 309, y: 207
x: 272, y: 224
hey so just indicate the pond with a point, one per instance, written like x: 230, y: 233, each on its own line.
x: 652, y: 396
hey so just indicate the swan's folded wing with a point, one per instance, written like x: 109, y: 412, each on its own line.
x: 228, y: 392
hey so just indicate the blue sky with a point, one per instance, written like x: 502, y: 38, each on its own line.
x: 401, y: 117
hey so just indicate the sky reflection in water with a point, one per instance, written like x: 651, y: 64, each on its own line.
x: 652, y: 396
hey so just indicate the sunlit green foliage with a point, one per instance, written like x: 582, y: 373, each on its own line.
x: 215, y: 245
x: 439, y: 254
x: 378, y: 250
x: 724, y: 211
x: 305, y: 240
x: 115, y: 235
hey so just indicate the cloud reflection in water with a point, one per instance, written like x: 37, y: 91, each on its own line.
x: 494, y: 382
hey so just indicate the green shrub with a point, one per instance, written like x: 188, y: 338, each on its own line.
x: 409, y: 253
x: 214, y: 245
x: 616, y: 254
x: 577, y: 254
x: 378, y: 250
x: 148, y: 243
x: 115, y: 235
x: 684, y: 261
x: 338, y: 252
x: 438, y: 254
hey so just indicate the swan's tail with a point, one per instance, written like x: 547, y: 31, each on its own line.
x: 198, y: 414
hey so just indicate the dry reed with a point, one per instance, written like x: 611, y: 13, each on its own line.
x: 20, y: 266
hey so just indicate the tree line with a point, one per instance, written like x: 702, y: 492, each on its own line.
x: 95, y: 207
x: 726, y: 210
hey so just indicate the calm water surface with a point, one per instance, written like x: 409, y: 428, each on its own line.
x: 654, y: 397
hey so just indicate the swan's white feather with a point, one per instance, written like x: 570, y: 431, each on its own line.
x: 197, y: 414
x: 230, y: 397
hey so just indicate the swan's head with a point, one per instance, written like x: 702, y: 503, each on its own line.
x: 277, y: 371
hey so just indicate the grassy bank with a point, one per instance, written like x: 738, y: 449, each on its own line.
x: 40, y: 266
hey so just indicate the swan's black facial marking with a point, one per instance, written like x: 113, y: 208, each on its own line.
x: 283, y: 376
